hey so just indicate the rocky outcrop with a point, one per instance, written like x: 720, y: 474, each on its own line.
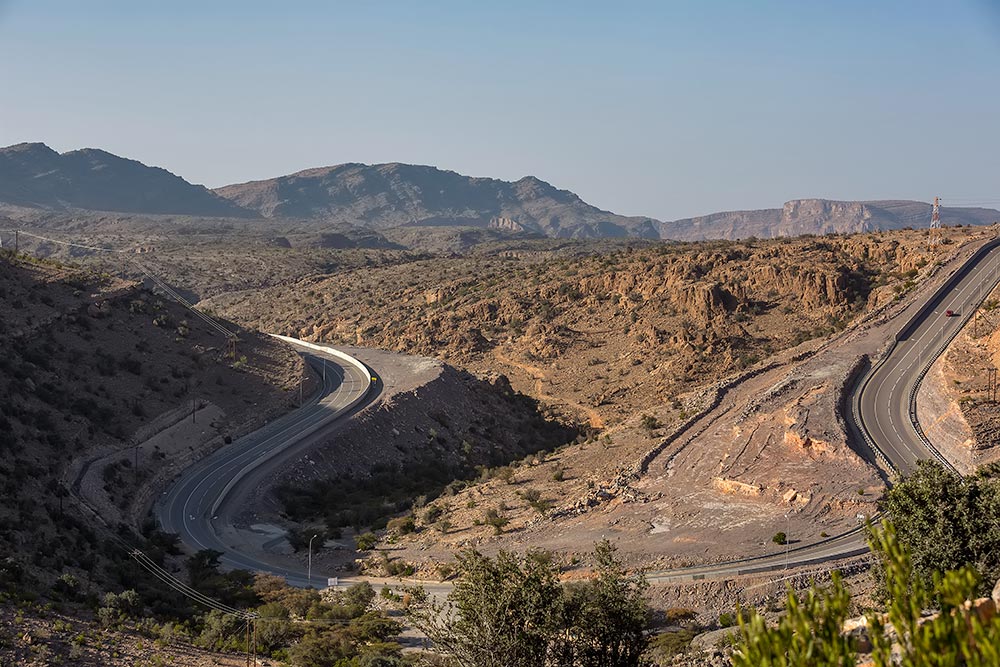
x: 735, y: 487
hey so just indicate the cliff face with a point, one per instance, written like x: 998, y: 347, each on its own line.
x: 820, y: 216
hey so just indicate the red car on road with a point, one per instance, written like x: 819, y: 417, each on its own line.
x: 950, y: 313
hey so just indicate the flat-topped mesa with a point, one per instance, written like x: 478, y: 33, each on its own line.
x: 822, y: 216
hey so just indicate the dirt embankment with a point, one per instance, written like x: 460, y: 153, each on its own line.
x: 440, y: 427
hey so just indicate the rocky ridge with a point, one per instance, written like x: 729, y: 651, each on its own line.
x: 821, y: 216
x: 33, y: 175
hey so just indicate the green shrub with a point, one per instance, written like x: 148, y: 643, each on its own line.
x: 493, y: 518
x: 366, y: 541
x: 432, y: 514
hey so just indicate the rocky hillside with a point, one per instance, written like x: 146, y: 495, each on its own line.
x: 601, y: 329
x: 820, y: 216
x: 87, y: 364
x: 35, y: 176
x: 393, y: 195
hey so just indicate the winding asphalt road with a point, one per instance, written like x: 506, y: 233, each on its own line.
x: 883, y: 410
x: 196, y: 506
x: 199, y: 507
x: 884, y: 405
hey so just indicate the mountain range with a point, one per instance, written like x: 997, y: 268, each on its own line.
x: 387, y: 196
x: 35, y: 176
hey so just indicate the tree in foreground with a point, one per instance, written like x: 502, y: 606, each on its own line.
x: 512, y: 611
x: 947, y: 521
x: 810, y: 633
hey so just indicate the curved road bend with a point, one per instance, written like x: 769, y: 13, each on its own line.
x: 883, y: 401
x: 883, y: 412
x: 196, y: 506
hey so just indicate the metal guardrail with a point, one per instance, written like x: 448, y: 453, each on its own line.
x: 270, y: 454
x: 938, y: 294
x: 939, y: 350
x: 856, y: 413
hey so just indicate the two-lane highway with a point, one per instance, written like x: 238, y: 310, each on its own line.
x: 198, y: 508
x: 884, y: 402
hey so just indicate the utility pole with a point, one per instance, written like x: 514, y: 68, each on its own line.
x: 310, y: 570
x: 15, y: 242
x: 935, y: 237
x: 788, y: 530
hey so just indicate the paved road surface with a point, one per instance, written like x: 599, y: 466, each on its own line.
x: 196, y: 508
x: 882, y: 400
x: 883, y: 403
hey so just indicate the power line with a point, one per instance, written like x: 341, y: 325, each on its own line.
x: 66, y: 243
x: 171, y: 292
x: 148, y: 564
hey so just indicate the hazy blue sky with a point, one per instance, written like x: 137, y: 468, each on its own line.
x: 666, y: 109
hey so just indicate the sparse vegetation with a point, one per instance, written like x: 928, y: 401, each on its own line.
x: 492, y: 517
x: 511, y: 610
x: 810, y: 632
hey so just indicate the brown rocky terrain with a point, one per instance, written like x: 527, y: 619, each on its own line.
x: 92, y: 366
x: 682, y: 327
x: 37, y: 637
x: 602, y: 331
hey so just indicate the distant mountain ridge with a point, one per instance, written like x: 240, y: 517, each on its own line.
x: 384, y: 196
x: 380, y: 197
x: 33, y: 175
x: 821, y: 216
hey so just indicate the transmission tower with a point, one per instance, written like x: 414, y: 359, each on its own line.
x: 935, y: 237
